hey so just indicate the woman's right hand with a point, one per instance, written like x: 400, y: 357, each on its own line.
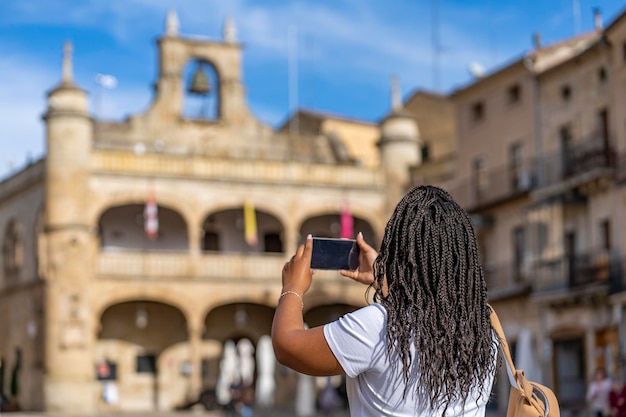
x: 365, y: 271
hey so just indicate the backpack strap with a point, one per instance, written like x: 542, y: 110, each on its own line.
x: 504, y: 348
x: 532, y: 391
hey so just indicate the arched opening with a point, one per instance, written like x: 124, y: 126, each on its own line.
x: 329, y: 225
x: 132, y: 339
x: 124, y: 227
x: 227, y: 231
x: 202, y: 91
x: 243, y: 330
x: 239, y: 320
x: 320, y: 315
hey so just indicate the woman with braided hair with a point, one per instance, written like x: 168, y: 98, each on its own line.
x: 425, y: 346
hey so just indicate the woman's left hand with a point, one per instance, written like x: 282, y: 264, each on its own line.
x: 297, y: 273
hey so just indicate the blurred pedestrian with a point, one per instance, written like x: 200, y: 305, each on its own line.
x: 617, y: 399
x: 598, y: 393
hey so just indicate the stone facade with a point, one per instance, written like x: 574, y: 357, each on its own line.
x: 87, y: 295
x: 539, y: 167
x: 533, y: 151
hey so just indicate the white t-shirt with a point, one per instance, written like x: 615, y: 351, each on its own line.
x: 375, y: 386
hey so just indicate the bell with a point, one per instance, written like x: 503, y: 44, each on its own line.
x: 199, y: 82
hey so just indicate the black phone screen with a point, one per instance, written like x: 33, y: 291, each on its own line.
x: 336, y: 254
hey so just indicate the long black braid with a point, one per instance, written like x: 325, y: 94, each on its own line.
x: 436, y: 297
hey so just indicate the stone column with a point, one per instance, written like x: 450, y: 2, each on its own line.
x: 195, y: 357
x: 195, y: 234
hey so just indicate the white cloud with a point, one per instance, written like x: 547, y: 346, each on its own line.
x: 340, y: 43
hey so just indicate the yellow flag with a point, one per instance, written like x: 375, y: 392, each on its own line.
x: 250, y: 229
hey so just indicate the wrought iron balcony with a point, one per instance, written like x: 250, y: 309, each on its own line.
x: 576, y: 165
x: 494, y: 186
x: 505, y: 279
x: 595, y: 267
x: 620, y: 168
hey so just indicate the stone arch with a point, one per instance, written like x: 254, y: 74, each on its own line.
x: 237, y: 320
x: 123, y: 227
x: 129, y: 197
x: 260, y: 205
x: 171, y: 297
x: 132, y: 340
x: 325, y: 313
x: 327, y: 224
x: 223, y: 230
x: 153, y: 324
x: 199, y: 103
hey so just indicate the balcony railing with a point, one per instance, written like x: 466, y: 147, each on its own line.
x: 620, y: 168
x: 587, y: 158
x: 505, y: 280
x: 579, y: 270
x: 494, y: 186
x: 181, y: 266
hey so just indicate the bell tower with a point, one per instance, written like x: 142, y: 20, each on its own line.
x: 224, y: 57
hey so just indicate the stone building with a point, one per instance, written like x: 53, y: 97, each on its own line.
x: 539, y: 165
x: 534, y: 151
x: 126, y: 264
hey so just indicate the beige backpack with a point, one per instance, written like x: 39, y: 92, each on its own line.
x: 527, y: 398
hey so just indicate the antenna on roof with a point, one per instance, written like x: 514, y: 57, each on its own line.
x: 576, y: 13
x: 292, y: 42
x: 436, y: 47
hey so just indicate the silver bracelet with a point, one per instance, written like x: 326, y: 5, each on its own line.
x: 294, y: 293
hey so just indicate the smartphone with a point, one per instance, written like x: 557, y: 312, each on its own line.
x: 336, y: 254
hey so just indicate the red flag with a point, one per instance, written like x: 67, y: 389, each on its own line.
x: 151, y: 217
x: 347, y: 221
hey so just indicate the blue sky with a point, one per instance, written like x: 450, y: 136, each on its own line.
x: 348, y: 50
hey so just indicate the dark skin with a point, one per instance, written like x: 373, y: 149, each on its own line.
x: 301, y: 349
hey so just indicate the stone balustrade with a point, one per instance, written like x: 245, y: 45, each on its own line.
x: 184, y: 266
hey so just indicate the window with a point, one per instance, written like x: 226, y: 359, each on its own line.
x: 425, y: 151
x: 570, y: 240
x: 605, y: 234
x: 478, y: 111
x: 566, y: 139
x: 519, y: 246
x: 566, y: 93
x: 211, y: 241
x: 603, y: 127
x: 515, y: 155
x: 519, y: 179
x: 480, y: 176
x: 569, y: 368
x: 602, y: 75
x: 106, y: 371
x: 272, y: 242
x: 542, y: 238
x: 13, y: 249
x: 514, y: 94
x: 146, y: 364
